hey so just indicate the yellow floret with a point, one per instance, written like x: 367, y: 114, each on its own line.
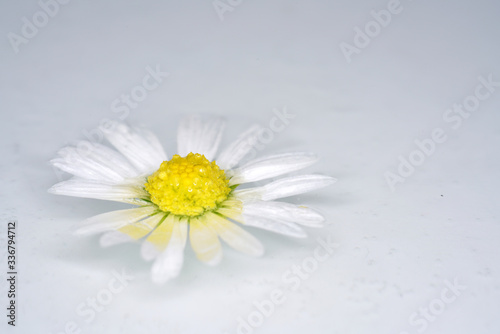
x: 188, y: 186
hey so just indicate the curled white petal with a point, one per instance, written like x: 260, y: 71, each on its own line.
x: 169, y: 263
x: 113, y: 220
x: 285, y: 212
x: 126, y: 193
x: 272, y: 166
x: 139, y: 146
x: 198, y: 136
x: 281, y: 227
x: 94, y: 162
x: 235, y: 152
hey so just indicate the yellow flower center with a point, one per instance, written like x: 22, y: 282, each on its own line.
x: 188, y: 186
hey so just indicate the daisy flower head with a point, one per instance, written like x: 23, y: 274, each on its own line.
x: 191, y: 194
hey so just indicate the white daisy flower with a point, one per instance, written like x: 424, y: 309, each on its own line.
x: 192, y: 193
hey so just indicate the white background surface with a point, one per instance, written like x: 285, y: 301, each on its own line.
x: 395, y: 249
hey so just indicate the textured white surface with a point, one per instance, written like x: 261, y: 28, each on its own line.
x: 395, y: 250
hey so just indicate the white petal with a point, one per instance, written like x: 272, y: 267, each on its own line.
x: 234, y: 236
x: 113, y: 220
x: 295, y: 185
x: 198, y: 136
x: 139, y: 146
x: 94, y: 162
x: 231, y: 208
x: 114, y: 238
x: 169, y: 264
x: 250, y: 194
x: 235, y: 152
x: 127, y: 193
x: 158, y: 240
x: 282, y: 227
x: 285, y: 211
x: 131, y: 232
x: 205, y: 242
x: 272, y: 166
